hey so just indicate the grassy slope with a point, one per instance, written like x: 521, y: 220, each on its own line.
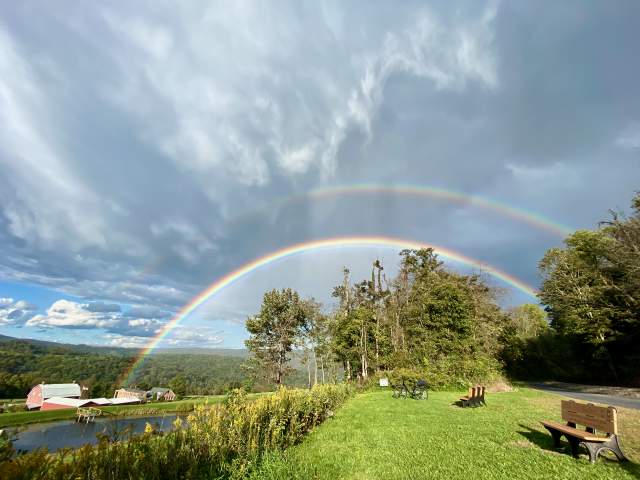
x: 376, y: 436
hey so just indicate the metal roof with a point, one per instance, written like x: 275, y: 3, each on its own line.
x: 70, y: 402
x: 131, y: 390
x: 60, y: 390
x: 156, y: 390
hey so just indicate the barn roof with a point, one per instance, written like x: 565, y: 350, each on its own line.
x: 70, y: 402
x: 131, y: 390
x: 123, y: 400
x: 156, y: 390
x: 60, y: 390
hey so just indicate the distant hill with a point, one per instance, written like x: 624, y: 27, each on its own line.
x: 223, y: 352
x: 130, y: 352
x: 193, y: 371
x: 83, y: 348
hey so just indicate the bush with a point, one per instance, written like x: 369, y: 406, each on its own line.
x: 451, y: 372
x: 223, y: 441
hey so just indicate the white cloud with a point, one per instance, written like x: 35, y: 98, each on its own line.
x: 138, y: 321
x: 203, y: 337
x: 15, y: 312
x: 116, y: 340
x: 68, y: 314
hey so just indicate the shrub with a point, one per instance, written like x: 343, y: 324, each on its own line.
x: 223, y: 441
x: 450, y: 372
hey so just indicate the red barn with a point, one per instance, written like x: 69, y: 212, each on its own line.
x: 42, y: 392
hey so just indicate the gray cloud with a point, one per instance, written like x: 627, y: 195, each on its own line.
x: 139, y: 138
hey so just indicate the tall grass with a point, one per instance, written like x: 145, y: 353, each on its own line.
x: 222, y: 441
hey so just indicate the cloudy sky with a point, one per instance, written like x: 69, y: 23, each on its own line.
x: 147, y: 149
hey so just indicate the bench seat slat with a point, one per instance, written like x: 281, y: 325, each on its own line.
x: 574, y: 432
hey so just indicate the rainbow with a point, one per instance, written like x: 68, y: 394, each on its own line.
x: 519, y: 214
x: 322, y: 244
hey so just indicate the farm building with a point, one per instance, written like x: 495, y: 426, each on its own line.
x: 130, y: 393
x: 124, y: 400
x: 42, y: 392
x: 159, y: 393
x: 56, y: 403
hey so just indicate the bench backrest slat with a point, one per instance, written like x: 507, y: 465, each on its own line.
x: 603, y: 419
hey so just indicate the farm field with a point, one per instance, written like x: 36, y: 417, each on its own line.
x: 376, y: 436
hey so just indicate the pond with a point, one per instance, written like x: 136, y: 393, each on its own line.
x: 68, y: 433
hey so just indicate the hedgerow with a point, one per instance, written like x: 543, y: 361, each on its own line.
x: 223, y: 441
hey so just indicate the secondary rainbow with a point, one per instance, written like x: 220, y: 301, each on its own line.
x: 534, y: 219
x: 321, y: 244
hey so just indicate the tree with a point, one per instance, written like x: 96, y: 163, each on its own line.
x: 528, y: 320
x: 592, y: 291
x: 179, y: 385
x: 275, y: 330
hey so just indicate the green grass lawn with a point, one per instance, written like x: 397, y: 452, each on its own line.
x: 377, y: 437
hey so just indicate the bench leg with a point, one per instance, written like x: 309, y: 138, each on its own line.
x: 594, y: 450
x: 555, y: 434
x: 613, y: 445
x: 574, y: 443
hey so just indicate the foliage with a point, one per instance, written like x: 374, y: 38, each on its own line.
x: 275, y: 330
x: 223, y: 441
x: 592, y: 292
x: 24, y: 364
x: 440, y: 324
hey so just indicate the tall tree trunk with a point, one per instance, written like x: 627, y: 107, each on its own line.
x: 315, y: 371
x: 377, y: 341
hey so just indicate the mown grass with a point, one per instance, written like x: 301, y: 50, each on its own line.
x: 158, y: 408
x: 375, y: 436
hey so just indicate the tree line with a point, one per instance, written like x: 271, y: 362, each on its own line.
x: 451, y: 329
x: 24, y: 364
x: 591, y: 290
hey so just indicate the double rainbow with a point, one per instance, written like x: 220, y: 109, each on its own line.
x: 314, y: 245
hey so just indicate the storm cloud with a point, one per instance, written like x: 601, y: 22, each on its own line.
x: 147, y: 147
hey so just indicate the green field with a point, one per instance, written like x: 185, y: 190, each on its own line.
x: 24, y: 418
x: 375, y: 436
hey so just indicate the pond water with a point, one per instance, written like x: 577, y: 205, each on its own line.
x: 68, y: 433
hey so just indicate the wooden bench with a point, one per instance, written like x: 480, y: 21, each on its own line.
x: 595, y: 419
x: 474, y: 398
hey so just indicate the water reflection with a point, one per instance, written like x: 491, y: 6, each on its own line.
x: 63, y: 434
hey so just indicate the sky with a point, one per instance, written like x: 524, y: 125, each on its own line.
x: 148, y: 149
